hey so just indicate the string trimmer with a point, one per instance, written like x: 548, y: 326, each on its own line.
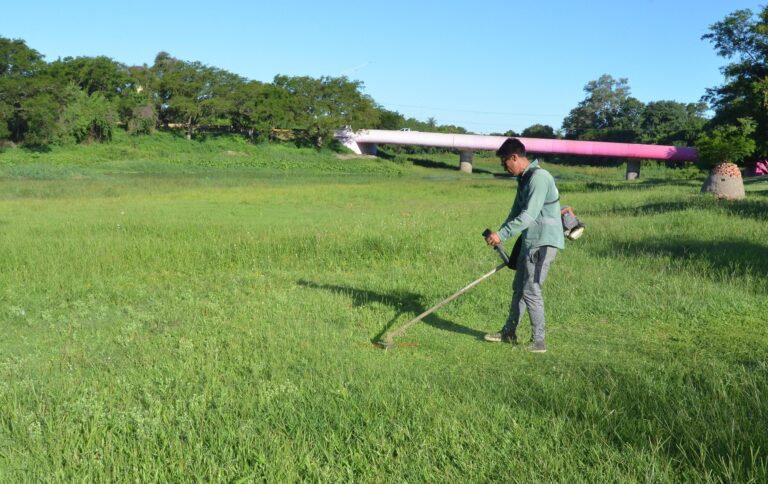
x: 388, y: 341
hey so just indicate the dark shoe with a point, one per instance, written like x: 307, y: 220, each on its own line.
x: 502, y: 337
x: 539, y: 347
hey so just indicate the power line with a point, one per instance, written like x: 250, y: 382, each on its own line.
x: 463, y: 123
x: 471, y: 111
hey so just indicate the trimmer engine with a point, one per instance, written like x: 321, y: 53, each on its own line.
x: 572, y: 226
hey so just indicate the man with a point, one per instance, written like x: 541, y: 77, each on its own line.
x: 535, y: 218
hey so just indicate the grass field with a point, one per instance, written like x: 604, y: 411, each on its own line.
x: 206, y: 314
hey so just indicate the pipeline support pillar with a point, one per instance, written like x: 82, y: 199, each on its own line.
x: 633, y: 170
x: 465, y: 161
x: 368, y: 148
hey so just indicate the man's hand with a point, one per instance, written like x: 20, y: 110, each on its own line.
x: 493, y: 239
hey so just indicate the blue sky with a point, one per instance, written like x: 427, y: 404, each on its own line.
x: 488, y: 66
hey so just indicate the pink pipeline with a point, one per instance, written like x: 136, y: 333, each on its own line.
x: 354, y: 140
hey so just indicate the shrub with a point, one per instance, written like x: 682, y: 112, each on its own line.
x: 87, y: 118
x: 38, y: 122
x: 727, y: 143
x: 142, y: 120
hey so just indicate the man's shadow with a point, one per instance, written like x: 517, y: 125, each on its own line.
x: 402, y: 302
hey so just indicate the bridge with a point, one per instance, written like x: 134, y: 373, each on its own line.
x: 366, y: 141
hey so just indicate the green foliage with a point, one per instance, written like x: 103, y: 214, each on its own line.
x: 191, y: 93
x: 165, y: 150
x: 258, y: 108
x: 306, y: 110
x: 390, y: 120
x: 29, y: 103
x: 673, y: 123
x: 196, y: 97
x: 37, y: 118
x: 18, y: 60
x: 320, y: 106
x: 140, y: 91
x: 92, y: 74
x: 727, y: 143
x: 142, y: 121
x: 742, y: 37
x: 6, y: 114
x: 87, y: 118
x: 608, y: 113
x: 539, y: 131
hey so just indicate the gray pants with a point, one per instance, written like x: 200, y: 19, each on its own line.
x: 532, y: 269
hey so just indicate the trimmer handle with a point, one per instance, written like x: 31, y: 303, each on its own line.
x: 499, y: 247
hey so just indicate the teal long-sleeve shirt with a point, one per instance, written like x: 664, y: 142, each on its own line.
x: 533, y: 214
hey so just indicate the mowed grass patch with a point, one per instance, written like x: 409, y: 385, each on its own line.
x: 189, y: 324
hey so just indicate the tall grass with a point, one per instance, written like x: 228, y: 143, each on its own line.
x: 171, y: 323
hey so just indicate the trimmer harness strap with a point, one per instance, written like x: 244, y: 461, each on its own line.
x: 524, y: 181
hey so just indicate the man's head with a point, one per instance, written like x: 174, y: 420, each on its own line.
x: 513, y: 156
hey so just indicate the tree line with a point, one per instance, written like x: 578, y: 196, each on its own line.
x: 84, y: 99
x: 87, y: 98
x: 736, y: 132
x: 609, y: 113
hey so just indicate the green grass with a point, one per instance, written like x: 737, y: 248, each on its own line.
x: 167, y: 321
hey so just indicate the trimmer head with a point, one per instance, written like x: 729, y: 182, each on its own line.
x: 385, y: 345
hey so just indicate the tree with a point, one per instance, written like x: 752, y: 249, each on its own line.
x: 142, y: 120
x: 87, y: 118
x: 672, y: 123
x: 138, y: 104
x: 93, y: 74
x: 320, y: 106
x: 390, y: 119
x: 257, y: 109
x: 608, y: 113
x: 539, y: 131
x: 103, y: 76
x: 18, y: 60
x: 718, y: 150
x: 727, y: 144
x: 742, y: 37
x: 36, y: 118
x: 627, y: 124
x: 6, y: 113
x: 29, y: 99
x: 191, y: 93
x: 450, y: 128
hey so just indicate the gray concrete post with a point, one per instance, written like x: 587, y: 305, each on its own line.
x: 633, y: 170
x: 368, y: 148
x: 465, y: 161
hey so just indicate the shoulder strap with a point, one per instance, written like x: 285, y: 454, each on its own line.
x: 525, y: 178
